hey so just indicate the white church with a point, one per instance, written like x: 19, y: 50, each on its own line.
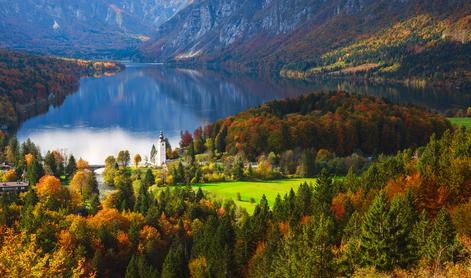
x: 161, y: 158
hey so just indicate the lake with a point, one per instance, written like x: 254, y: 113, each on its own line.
x: 128, y: 110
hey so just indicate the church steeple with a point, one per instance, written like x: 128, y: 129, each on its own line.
x: 161, y: 150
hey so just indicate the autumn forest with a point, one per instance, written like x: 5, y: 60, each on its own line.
x: 230, y: 138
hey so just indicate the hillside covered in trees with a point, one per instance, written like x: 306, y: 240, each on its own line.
x: 417, y: 50
x: 339, y: 122
x: 29, y: 83
x: 405, y: 215
x: 406, y: 40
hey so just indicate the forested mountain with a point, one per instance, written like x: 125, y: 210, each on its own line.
x: 82, y: 27
x: 340, y: 122
x: 30, y: 83
x: 405, y: 39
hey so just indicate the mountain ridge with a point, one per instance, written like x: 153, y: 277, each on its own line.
x: 82, y: 28
x: 268, y: 36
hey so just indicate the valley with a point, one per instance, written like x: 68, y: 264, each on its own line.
x: 235, y: 138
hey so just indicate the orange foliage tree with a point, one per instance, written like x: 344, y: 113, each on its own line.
x: 9, y: 176
x: 48, y: 186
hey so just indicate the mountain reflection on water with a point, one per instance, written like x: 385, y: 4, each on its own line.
x: 128, y: 110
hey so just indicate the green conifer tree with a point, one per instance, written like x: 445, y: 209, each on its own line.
x: 175, y: 265
x: 132, y: 270
x: 309, y: 164
x: 443, y: 245
x: 421, y: 232
x: 35, y: 171
x: 71, y: 166
x: 402, y: 218
x: 376, y: 240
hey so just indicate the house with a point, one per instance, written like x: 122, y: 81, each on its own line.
x: 5, y: 167
x: 14, y: 186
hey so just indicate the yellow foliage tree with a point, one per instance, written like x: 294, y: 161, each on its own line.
x: 82, y: 164
x: 10, y: 155
x: 110, y: 218
x: 21, y: 256
x: 82, y: 183
x: 198, y: 267
x: 48, y: 186
x: 137, y: 160
x: 58, y: 157
x: 9, y: 176
x: 28, y: 159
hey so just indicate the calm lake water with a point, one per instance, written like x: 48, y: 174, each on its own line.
x: 128, y: 110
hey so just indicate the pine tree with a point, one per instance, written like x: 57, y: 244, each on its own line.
x: 375, y: 239
x: 175, y: 265
x: 133, y: 233
x: 143, y: 199
x: 199, y: 194
x: 402, y: 218
x: 318, y: 238
x: 146, y: 270
x: 304, y: 195
x: 191, y: 153
x: 50, y: 162
x: 279, y: 213
x: 71, y: 166
x: 309, y: 164
x: 181, y: 172
x: 153, y: 153
x: 306, y: 254
x: 350, y: 256
x: 221, y: 140
x: 149, y: 178
x: 94, y: 204
x: 442, y: 244
x: 98, y: 264
x: 421, y: 233
x: 322, y: 195
x: 35, y: 171
x: 132, y: 270
x: 238, y: 169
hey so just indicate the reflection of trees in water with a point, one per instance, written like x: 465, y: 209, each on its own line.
x: 265, y: 88
x: 152, y: 98
x: 213, y: 97
x: 440, y: 99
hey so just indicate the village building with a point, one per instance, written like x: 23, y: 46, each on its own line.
x: 5, y: 167
x: 14, y: 186
x: 161, y: 151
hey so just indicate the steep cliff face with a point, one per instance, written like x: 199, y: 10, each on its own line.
x: 82, y: 26
x: 275, y: 34
x: 209, y: 26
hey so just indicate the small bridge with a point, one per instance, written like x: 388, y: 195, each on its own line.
x: 95, y: 167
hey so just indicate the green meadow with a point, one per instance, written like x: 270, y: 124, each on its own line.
x: 252, y: 190
x: 461, y: 121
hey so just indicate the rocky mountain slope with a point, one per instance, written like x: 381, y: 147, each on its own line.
x: 293, y: 36
x: 82, y: 27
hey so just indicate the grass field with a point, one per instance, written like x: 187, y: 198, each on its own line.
x: 252, y: 189
x: 461, y: 121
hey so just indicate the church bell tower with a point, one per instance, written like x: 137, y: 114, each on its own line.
x: 161, y: 151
